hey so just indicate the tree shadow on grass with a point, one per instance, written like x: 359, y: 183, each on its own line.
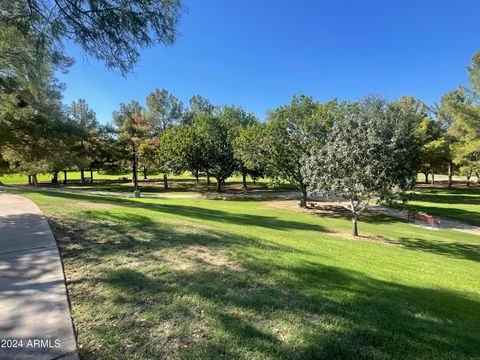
x: 273, y: 306
x: 335, y: 314
x: 96, y: 235
x: 456, y: 250
x: 197, y: 212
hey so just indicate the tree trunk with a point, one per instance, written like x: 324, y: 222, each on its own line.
x: 82, y: 176
x: 134, y: 169
x: 196, y: 176
x: 433, y: 178
x: 165, y: 181
x: 219, y: 185
x: 426, y: 177
x: 35, y: 180
x: 91, y: 176
x: 55, y: 177
x: 303, y: 200
x: 30, y: 180
x: 450, y: 174
x: 65, y: 176
x: 244, y: 180
x: 468, y: 180
x: 254, y: 181
x: 208, y: 178
x: 144, y: 173
x: 478, y: 178
x: 354, y: 224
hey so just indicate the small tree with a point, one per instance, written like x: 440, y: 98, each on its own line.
x: 171, y: 154
x: 292, y: 131
x: 238, y: 119
x: 213, y: 132
x: 163, y: 111
x: 131, y: 127
x: 250, y: 149
x: 370, y: 154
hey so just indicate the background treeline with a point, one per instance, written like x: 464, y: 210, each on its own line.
x: 40, y: 135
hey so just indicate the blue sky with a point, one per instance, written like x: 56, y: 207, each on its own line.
x: 257, y: 54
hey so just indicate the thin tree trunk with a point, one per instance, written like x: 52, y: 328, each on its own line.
x: 65, y: 176
x: 354, y: 224
x: 208, y: 178
x: 91, y: 176
x: 219, y: 185
x: 35, y: 180
x: 468, y: 180
x: 426, y: 177
x: 82, y: 176
x: 433, y: 178
x: 450, y: 174
x: 144, y: 172
x: 244, y: 180
x: 165, y: 181
x: 303, y: 200
x: 55, y: 177
x: 134, y: 169
x: 30, y: 180
x: 196, y: 176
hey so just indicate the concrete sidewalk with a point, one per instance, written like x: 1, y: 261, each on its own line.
x: 35, y: 320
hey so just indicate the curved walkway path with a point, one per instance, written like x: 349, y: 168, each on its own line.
x: 35, y: 321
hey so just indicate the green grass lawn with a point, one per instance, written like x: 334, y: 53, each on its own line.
x: 208, y: 279
x: 102, y: 176
x: 458, y: 204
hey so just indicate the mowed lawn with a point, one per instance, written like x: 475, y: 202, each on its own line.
x: 462, y: 204
x: 199, y: 279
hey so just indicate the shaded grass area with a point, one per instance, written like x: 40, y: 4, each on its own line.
x: 457, y: 204
x: 196, y: 278
x: 112, y: 177
x: 153, y: 185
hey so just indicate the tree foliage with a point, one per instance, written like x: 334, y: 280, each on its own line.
x: 370, y: 154
x: 292, y: 131
x: 112, y: 31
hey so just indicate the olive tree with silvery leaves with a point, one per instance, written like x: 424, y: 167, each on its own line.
x: 370, y: 155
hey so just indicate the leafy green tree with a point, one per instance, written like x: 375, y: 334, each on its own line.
x: 131, y: 129
x: 463, y: 108
x: 163, y: 111
x: 292, y: 131
x: 213, y: 131
x: 371, y: 153
x: 27, y: 83
x: 198, y: 105
x: 238, y: 119
x: 87, y: 147
x: 430, y: 133
x: 46, y: 144
x: 251, y: 150
x: 172, y: 153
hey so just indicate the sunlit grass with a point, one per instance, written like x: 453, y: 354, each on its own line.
x: 196, y: 278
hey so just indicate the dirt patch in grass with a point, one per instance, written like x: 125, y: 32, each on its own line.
x: 198, y: 256
x: 331, y: 210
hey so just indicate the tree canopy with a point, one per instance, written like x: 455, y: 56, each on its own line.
x: 370, y: 154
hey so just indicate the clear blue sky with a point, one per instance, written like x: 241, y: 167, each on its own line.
x: 258, y: 53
